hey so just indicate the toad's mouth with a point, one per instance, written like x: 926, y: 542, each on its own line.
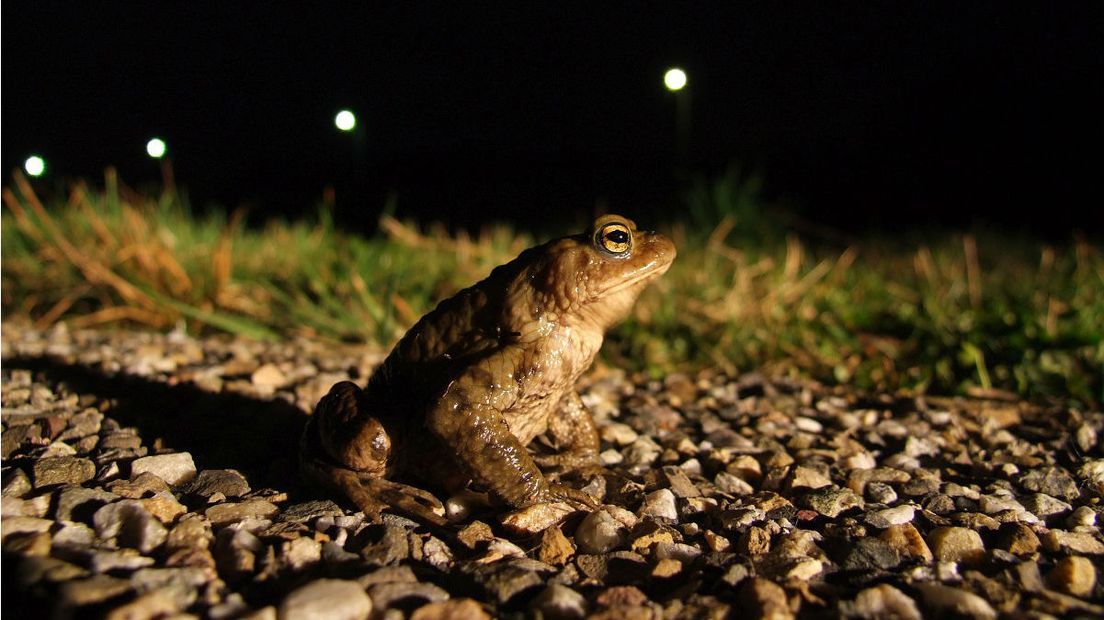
x: 648, y: 271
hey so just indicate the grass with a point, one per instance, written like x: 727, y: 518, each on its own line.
x: 947, y: 313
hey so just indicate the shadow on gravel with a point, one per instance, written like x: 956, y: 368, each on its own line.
x: 257, y: 437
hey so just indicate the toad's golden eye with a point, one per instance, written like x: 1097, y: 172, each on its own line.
x: 615, y: 238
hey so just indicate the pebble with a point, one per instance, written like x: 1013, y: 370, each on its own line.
x: 888, y: 517
x: 559, y: 602
x: 1073, y: 575
x: 130, y: 524
x: 882, y: 601
x: 326, y: 599
x: 957, y: 544
x: 62, y: 470
x: 832, y: 501
x: 730, y: 495
x: 455, y: 609
x: 233, y: 512
x: 659, y: 504
x: 944, y: 600
x: 1019, y: 539
x: 599, y: 532
x: 228, y: 482
x: 174, y: 469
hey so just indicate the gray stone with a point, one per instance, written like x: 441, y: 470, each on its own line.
x: 302, y: 513
x: 130, y: 524
x: 1053, y: 481
x: 79, y: 503
x: 226, y: 481
x: 326, y: 599
x: 867, y: 554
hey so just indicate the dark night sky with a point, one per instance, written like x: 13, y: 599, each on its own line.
x: 859, y: 113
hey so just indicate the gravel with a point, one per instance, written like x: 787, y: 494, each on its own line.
x: 149, y: 475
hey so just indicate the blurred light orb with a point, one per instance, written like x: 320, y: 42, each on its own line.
x: 674, y: 79
x: 35, y: 166
x: 155, y: 148
x: 345, y: 120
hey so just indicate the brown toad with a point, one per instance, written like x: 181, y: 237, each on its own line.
x: 476, y: 379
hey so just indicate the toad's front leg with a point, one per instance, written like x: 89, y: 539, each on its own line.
x: 573, y: 434
x: 347, y: 449
x: 466, y: 420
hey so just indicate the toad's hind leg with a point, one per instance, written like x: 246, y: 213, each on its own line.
x: 347, y: 449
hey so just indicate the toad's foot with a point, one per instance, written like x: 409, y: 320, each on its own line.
x: 563, y: 493
x: 409, y: 500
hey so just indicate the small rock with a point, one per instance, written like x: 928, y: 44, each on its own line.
x: 599, y: 532
x: 537, y: 518
x: 1053, y: 481
x: 149, y: 605
x: 405, y: 595
x: 880, y: 493
x: 121, y: 560
x: 1044, y: 506
x: 869, y: 554
x: 832, y: 501
x: 957, y: 544
x: 802, y: 477
x: 62, y: 470
x: 142, y: 485
x: 559, y: 602
x: 95, y: 589
x: 164, y: 507
x: 1083, y: 516
x: 130, y: 524
x: 1081, y: 543
x: 555, y: 548
x: 223, y: 514
x: 174, y: 469
x: 301, y: 553
x: 474, y: 533
x: 887, y: 517
x: 882, y: 601
x: 1092, y: 473
x: 324, y: 599
x: 268, y: 376
x: 1073, y: 575
x: 660, y: 505
x: 945, y: 600
x: 907, y: 542
x: 732, y: 484
x: 764, y: 599
x: 1018, y: 539
x: 226, y: 481
x: 79, y: 503
x: 456, y: 609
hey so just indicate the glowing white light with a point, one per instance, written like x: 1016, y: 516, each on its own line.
x: 34, y: 166
x: 345, y: 120
x: 155, y: 148
x: 674, y: 79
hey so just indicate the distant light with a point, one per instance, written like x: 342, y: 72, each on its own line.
x: 674, y: 79
x: 35, y: 166
x: 345, y: 120
x: 156, y: 148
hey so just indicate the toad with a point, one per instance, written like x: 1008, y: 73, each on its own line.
x: 464, y: 392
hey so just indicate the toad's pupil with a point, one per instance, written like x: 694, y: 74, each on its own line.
x: 618, y: 236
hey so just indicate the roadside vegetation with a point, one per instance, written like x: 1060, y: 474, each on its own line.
x: 943, y: 312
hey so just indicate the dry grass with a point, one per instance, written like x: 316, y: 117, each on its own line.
x: 952, y: 313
